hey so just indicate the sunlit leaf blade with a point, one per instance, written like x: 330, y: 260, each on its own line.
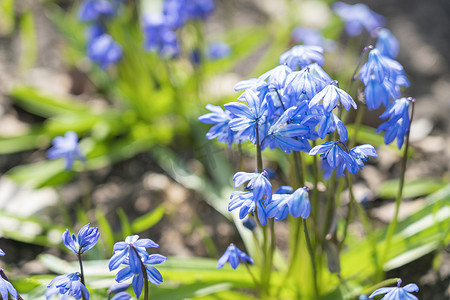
x: 147, y: 221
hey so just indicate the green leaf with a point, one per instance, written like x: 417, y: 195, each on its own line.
x: 148, y: 220
x: 27, y: 141
x: 106, y: 231
x: 124, y: 223
x: 7, y: 17
x: 28, y: 40
x: 44, y: 105
x: 411, y: 189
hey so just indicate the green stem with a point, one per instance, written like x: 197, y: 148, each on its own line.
x: 144, y: 274
x: 358, y: 121
x: 329, y: 206
x: 349, y: 210
x: 252, y: 276
x: 398, y: 200
x: 81, y: 269
x: 312, y: 256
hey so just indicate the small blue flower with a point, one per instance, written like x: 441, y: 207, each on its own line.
x: 87, y: 238
x: 121, y: 296
x: 220, y: 119
x: 247, y: 117
x: 2, y: 253
x: 387, y: 44
x: 66, y: 146
x: 6, y: 288
x: 397, y: 293
x: 70, y: 285
x: 132, y: 252
x: 52, y: 291
x: 336, y: 157
x: 377, y: 93
x: 93, y: 10
x: 297, y: 204
x: 217, y: 50
x: 159, y: 37
x: 330, y: 96
x: 302, y: 85
x: 300, y: 56
x: 361, y: 154
x: 234, y: 256
x: 152, y: 274
x: 199, y: 9
x: 257, y: 182
x: 245, y: 200
x: 104, y: 51
x: 399, y: 121
x: 320, y: 74
x: 376, y: 68
x: 127, y: 250
x: 357, y: 17
x: 363, y: 297
x: 276, y: 77
x: 94, y: 31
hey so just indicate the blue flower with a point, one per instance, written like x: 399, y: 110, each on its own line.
x: 361, y: 154
x: 6, y: 288
x: 397, y: 293
x: 66, y: 146
x: 52, y: 291
x: 336, y: 157
x: 247, y: 117
x: 377, y: 93
x: 133, y: 249
x: 2, y: 253
x: 276, y: 77
x: 152, y: 274
x: 257, y: 182
x: 300, y: 56
x: 330, y: 96
x: 288, y: 136
x: 199, y: 9
x: 159, y: 37
x: 93, y: 10
x: 178, y: 12
x: 317, y: 72
x: 387, y: 44
x: 399, y: 121
x: 104, y: 51
x: 217, y: 50
x: 220, y: 119
x: 121, y: 296
x: 297, y: 204
x: 234, y: 256
x: 132, y: 252
x: 245, y: 200
x: 87, y: 238
x: 71, y: 285
x: 94, y: 31
x: 302, y: 85
x: 357, y: 17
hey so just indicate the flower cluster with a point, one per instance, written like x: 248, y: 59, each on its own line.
x: 160, y: 27
x: 102, y: 48
x: 73, y: 284
x: 138, y: 262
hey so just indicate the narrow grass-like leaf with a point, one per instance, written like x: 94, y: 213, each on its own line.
x: 148, y: 220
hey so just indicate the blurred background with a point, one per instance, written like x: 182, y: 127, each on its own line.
x: 150, y: 170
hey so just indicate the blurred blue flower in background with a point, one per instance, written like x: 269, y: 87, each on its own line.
x: 2, y: 253
x: 217, y: 50
x: 397, y: 293
x: 312, y: 37
x: 357, y: 17
x: 69, y: 285
x: 387, y: 43
x: 234, y: 256
x: 159, y: 36
x: 87, y: 238
x: 67, y: 147
x: 93, y: 10
x: 104, y: 51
